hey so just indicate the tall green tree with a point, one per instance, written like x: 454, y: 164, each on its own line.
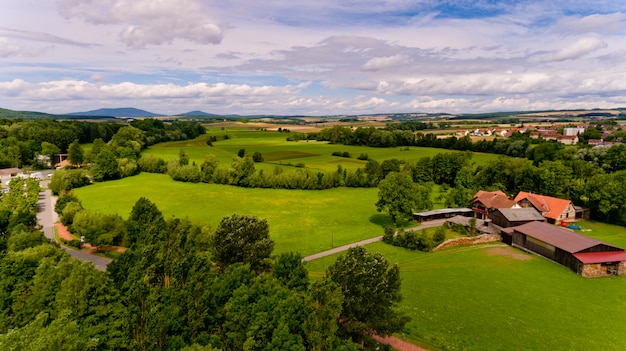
x: 399, y: 196
x: 245, y: 239
x: 75, y: 153
x: 371, y: 290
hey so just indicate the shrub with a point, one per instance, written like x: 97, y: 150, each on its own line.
x: 345, y: 154
x: 363, y: 157
x: 63, y: 200
x: 257, y: 157
x: 337, y: 153
x: 439, y: 236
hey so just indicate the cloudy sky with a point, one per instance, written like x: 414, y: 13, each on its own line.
x: 313, y: 57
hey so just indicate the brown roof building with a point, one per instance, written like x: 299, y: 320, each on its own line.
x: 485, y: 202
x: 553, y: 209
x: 584, y: 255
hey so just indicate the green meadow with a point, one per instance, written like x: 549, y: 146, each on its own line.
x: 484, y: 297
x: 494, y: 297
x: 277, y: 151
x: 299, y: 220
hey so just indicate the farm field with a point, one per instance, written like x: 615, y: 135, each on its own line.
x: 494, y: 297
x: 303, y: 221
x: 279, y: 152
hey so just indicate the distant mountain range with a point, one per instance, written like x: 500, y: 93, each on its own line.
x: 135, y: 112
x: 117, y: 112
x: 130, y: 112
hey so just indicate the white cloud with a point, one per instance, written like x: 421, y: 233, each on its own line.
x: 9, y: 48
x: 379, y: 63
x: 581, y: 47
x: 148, y: 22
x: 596, y: 23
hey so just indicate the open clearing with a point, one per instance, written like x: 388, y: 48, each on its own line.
x: 468, y: 298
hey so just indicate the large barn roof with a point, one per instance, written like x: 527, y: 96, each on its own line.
x: 521, y: 214
x: 565, y: 239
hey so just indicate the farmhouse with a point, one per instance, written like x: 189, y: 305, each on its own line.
x: 485, y: 202
x: 583, y: 255
x: 555, y: 210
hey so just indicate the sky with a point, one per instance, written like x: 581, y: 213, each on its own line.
x: 321, y: 57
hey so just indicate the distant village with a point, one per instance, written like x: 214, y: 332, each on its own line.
x: 563, y: 135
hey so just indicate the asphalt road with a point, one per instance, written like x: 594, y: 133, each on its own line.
x: 46, y: 217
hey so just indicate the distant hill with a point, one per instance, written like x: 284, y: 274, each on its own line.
x: 117, y: 112
x: 4, y: 113
x: 197, y: 113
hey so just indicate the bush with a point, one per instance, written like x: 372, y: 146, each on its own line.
x: 257, y: 157
x: 64, y: 180
x: 439, y: 236
x: 69, y: 212
x: 151, y: 164
x: 337, y: 153
x: 345, y: 154
x: 363, y: 157
x: 63, y: 200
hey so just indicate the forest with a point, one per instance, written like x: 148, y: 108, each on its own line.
x: 180, y: 286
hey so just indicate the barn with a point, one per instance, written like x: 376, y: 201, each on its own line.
x: 512, y: 217
x: 584, y: 255
x: 442, y: 213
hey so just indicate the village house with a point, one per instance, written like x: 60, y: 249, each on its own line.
x: 584, y: 255
x: 485, y: 202
x: 555, y: 210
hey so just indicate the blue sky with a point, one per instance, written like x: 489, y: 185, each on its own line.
x: 318, y: 57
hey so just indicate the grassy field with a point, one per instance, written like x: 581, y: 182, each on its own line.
x: 279, y: 152
x: 494, y: 297
x: 485, y: 297
x: 303, y: 221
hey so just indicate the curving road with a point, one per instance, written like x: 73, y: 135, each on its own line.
x: 46, y: 217
x: 429, y: 224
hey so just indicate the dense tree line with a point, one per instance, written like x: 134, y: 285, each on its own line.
x: 179, y: 286
x: 22, y: 141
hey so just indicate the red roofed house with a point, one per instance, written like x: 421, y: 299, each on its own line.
x: 583, y: 255
x: 555, y: 210
x: 485, y: 202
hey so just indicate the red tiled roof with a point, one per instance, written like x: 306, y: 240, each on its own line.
x: 565, y: 239
x: 600, y: 257
x: 493, y: 199
x: 550, y: 207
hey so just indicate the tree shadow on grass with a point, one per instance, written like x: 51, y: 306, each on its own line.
x: 380, y: 219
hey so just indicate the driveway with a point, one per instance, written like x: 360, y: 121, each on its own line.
x: 46, y: 217
x: 429, y: 224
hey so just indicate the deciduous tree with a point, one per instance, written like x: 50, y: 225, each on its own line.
x: 245, y: 239
x: 371, y: 290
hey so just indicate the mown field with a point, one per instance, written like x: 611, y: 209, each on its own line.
x: 304, y: 221
x: 279, y: 152
x: 494, y: 297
